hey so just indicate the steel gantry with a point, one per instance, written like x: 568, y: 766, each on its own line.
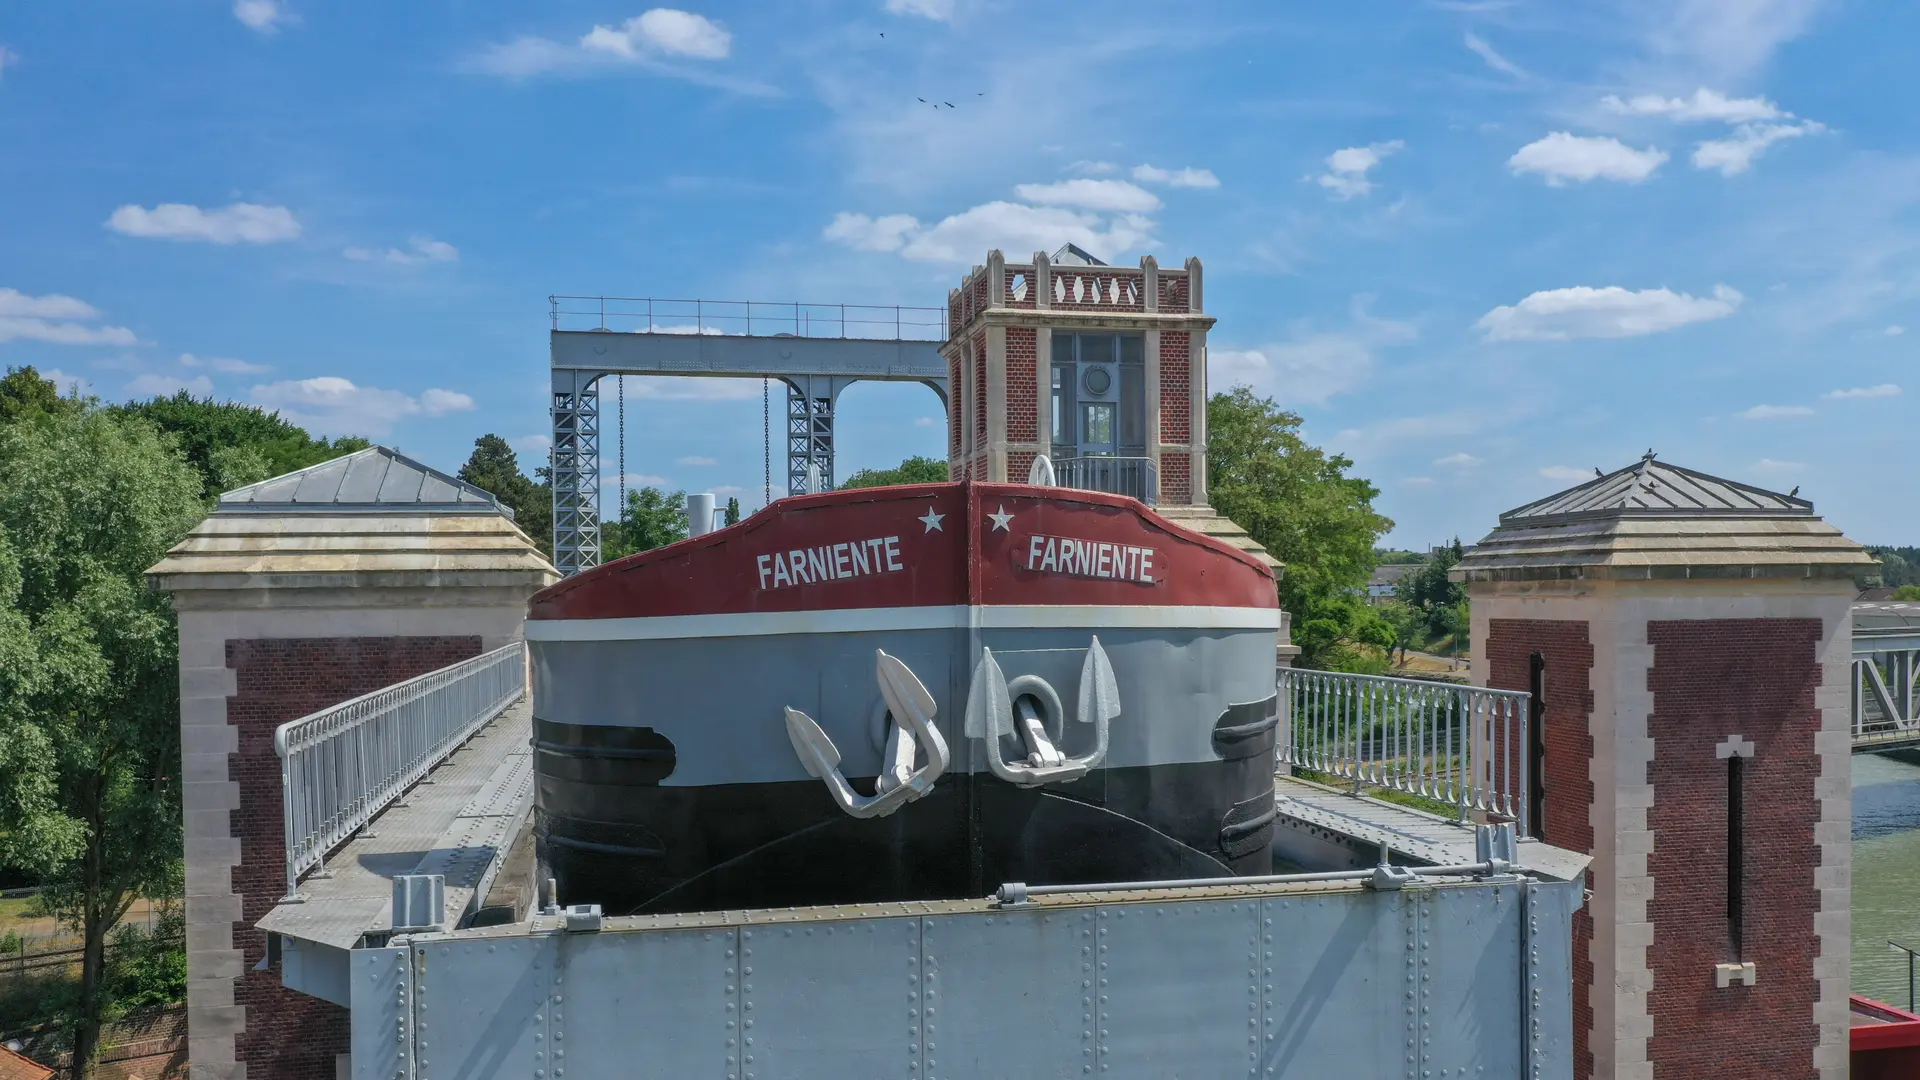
x: 1886, y: 671
x: 815, y: 350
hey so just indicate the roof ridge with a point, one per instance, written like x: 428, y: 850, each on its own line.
x: 343, y: 485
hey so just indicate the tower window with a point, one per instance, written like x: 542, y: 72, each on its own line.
x: 1735, y: 751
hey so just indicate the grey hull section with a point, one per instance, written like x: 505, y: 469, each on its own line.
x: 720, y: 701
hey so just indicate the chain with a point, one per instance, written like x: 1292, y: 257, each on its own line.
x: 620, y: 393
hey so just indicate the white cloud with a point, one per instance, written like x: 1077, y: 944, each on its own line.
x: 1108, y: 195
x: 13, y: 302
x: 56, y: 320
x: 223, y: 364
x: 863, y: 233
x: 1561, y: 157
x: 695, y: 460
x: 1181, y: 178
x: 333, y: 405
x: 692, y: 388
x: 661, y: 30
x: 1313, y: 367
x: 1611, y: 312
x: 420, y: 249
x: 1494, y: 60
x: 1418, y: 481
x: 532, y: 444
x: 1733, y: 155
x: 67, y: 382
x: 1347, y: 169
x: 161, y: 385
x: 1775, y: 412
x: 962, y: 238
x: 1461, y: 460
x: 1096, y: 168
x: 1894, y: 331
x: 1566, y: 474
x: 1704, y: 105
x: 248, y: 223
x: 264, y: 16
x: 928, y: 421
x: 1728, y: 39
x: 1882, y: 390
x: 437, y: 402
x: 640, y: 480
x: 1777, y: 468
x: 941, y: 10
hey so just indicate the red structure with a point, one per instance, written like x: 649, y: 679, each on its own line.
x: 1885, y: 1041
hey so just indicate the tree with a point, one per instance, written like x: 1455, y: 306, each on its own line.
x: 1428, y: 591
x: 25, y: 392
x: 914, y: 470
x: 732, y: 516
x: 1907, y: 592
x: 495, y: 468
x: 233, y: 445
x: 89, y: 688
x: 1299, y: 502
x: 652, y: 518
x: 1409, y: 627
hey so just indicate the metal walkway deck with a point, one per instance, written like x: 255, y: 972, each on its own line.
x: 1316, y: 822
x: 458, y: 822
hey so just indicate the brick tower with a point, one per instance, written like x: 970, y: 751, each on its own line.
x: 1687, y: 641
x: 1101, y: 368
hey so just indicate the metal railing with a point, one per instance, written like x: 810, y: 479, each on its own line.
x: 654, y: 315
x: 341, y: 766
x: 1468, y: 748
x: 1132, y: 476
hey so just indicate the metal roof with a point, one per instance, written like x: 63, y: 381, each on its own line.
x: 375, y: 480
x: 1075, y: 255
x: 1652, y: 488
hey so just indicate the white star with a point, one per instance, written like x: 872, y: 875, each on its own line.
x: 931, y: 521
x: 1001, y: 519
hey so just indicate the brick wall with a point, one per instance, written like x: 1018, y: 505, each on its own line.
x: 1176, y: 478
x: 1105, y: 289
x: 1023, y: 396
x: 956, y: 406
x: 1568, y: 737
x: 1176, y: 388
x: 1018, y: 297
x: 979, y: 349
x: 1173, y: 292
x: 1711, y: 679
x: 291, y: 1036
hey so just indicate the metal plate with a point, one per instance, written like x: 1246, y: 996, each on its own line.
x: 1478, y: 931
x: 1013, y: 994
x: 1175, y: 989
x: 382, y: 1016
x: 649, y: 1006
x: 1335, y: 974
x: 841, y: 999
x: 480, y: 1008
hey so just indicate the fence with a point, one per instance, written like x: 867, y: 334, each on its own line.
x: 1132, y: 476
x: 651, y: 315
x: 1468, y: 747
x: 342, y: 765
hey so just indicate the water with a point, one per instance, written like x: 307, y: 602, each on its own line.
x: 1886, y: 874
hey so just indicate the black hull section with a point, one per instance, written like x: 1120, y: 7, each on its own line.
x: 637, y: 847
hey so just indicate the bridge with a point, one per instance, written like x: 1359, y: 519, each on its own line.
x: 1886, y: 666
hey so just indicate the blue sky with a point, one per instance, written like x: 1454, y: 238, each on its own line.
x: 1482, y: 247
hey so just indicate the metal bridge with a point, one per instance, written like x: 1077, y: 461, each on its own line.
x: 1419, y: 940
x: 1886, y: 667
x: 815, y: 350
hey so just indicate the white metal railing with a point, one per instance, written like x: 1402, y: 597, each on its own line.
x: 341, y: 766
x: 1470, y: 748
x: 1133, y: 476
x: 659, y: 315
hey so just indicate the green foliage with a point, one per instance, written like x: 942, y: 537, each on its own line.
x: 1299, y: 502
x: 495, y: 468
x: 89, y: 688
x: 232, y: 445
x: 148, y: 969
x: 1898, y: 566
x: 914, y: 470
x: 1907, y: 592
x: 732, y: 516
x: 1397, y: 557
x: 1442, y: 604
x: 25, y: 393
x: 652, y: 518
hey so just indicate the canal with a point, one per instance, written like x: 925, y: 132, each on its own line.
x: 1886, y: 874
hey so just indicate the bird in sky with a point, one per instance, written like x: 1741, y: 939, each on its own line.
x: 921, y: 100
x: 948, y: 104
x: 1795, y: 491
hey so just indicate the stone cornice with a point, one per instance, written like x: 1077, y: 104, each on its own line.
x: 1076, y: 319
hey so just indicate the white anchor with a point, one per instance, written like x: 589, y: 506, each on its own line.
x: 899, y: 783
x: 991, y: 715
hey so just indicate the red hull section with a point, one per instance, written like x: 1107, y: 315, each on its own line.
x: 923, y: 545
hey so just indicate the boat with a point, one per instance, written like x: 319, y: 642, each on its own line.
x: 905, y: 693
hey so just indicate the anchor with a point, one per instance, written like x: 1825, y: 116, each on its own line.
x: 991, y: 715
x: 899, y: 782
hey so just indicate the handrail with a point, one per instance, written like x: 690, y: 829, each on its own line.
x: 1133, y: 476
x: 342, y: 765
x: 1470, y: 748
x: 763, y: 318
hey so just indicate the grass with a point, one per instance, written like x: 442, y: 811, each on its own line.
x: 1387, y: 795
